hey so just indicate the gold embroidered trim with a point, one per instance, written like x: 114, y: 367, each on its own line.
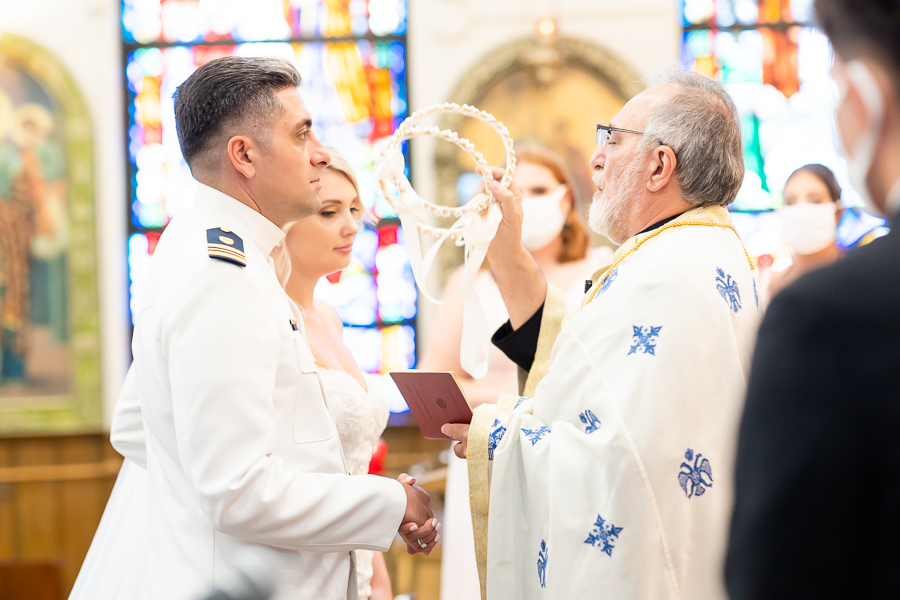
x: 551, y: 324
x: 479, y: 484
x: 712, y: 222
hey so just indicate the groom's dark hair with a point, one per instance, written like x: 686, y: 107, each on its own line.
x: 226, y: 97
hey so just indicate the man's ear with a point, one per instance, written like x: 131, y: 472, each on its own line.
x: 242, y: 152
x: 662, y: 165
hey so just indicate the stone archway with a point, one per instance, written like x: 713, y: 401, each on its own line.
x: 543, y: 67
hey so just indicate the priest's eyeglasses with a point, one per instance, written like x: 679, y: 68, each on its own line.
x: 604, y: 131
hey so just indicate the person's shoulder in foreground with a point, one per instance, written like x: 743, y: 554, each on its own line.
x: 818, y: 466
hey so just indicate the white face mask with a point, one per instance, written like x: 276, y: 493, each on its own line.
x: 543, y: 219
x: 809, y: 228
x: 859, y: 159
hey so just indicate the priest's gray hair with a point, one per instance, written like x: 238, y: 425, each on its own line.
x: 700, y: 122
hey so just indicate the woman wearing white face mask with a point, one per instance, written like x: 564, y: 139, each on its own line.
x: 810, y: 216
x: 554, y: 235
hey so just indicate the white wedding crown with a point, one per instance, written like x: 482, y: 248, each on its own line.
x: 475, y: 226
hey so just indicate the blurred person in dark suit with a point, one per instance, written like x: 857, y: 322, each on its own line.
x: 818, y: 462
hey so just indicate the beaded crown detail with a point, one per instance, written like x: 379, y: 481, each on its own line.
x: 389, y: 163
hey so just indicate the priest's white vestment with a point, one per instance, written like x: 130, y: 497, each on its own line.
x: 611, y: 477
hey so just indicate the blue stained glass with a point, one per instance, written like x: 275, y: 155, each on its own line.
x: 365, y: 246
x: 407, y: 345
x: 725, y: 13
x: 397, y: 61
x: 696, y: 43
x: 466, y: 186
x: 355, y: 300
x: 365, y: 346
x: 138, y: 264
x: 396, y: 403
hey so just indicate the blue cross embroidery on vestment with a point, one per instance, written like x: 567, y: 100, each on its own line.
x: 644, y: 339
x: 608, y: 281
x: 521, y: 400
x: 542, y: 564
x: 604, y: 536
x: 590, y: 419
x: 536, y: 435
x: 496, y: 436
x: 728, y: 289
x: 755, y: 294
x: 695, y: 478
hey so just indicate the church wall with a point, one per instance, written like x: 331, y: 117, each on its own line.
x: 448, y: 37
x: 85, y: 37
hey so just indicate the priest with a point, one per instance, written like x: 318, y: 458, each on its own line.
x: 611, y: 475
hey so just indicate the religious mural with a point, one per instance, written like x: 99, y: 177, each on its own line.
x: 33, y: 247
x: 49, y: 365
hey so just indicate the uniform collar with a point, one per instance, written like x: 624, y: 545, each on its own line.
x: 245, y: 221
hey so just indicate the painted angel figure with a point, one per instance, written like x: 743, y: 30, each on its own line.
x: 693, y: 476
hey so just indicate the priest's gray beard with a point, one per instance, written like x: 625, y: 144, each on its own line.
x: 610, y: 214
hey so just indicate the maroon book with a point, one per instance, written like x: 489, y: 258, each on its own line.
x: 434, y: 398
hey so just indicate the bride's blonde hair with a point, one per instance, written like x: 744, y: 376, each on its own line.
x: 280, y: 254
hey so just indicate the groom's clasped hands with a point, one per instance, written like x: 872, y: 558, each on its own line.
x: 420, y: 530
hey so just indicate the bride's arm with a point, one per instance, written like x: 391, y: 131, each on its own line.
x: 381, y: 581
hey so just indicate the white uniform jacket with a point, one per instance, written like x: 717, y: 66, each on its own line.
x: 241, y: 448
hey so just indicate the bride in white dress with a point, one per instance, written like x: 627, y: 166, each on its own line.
x: 312, y: 248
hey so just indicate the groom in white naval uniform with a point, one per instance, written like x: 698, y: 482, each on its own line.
x: 241, y: 449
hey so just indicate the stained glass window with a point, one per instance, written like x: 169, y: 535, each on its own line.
x: 776, y: 67
x: 352, y: 57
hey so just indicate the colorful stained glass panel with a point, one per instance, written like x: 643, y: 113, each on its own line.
x: 355, y: 90
x: 737, y: 13
x: 199, y: 21
x: 781, y: 85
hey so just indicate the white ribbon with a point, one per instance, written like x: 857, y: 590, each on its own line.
x: 478, y: 229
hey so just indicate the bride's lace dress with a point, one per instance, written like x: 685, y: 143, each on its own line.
x: 361, y: 417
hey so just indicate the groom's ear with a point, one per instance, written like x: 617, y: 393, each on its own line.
x: 242, y: 152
